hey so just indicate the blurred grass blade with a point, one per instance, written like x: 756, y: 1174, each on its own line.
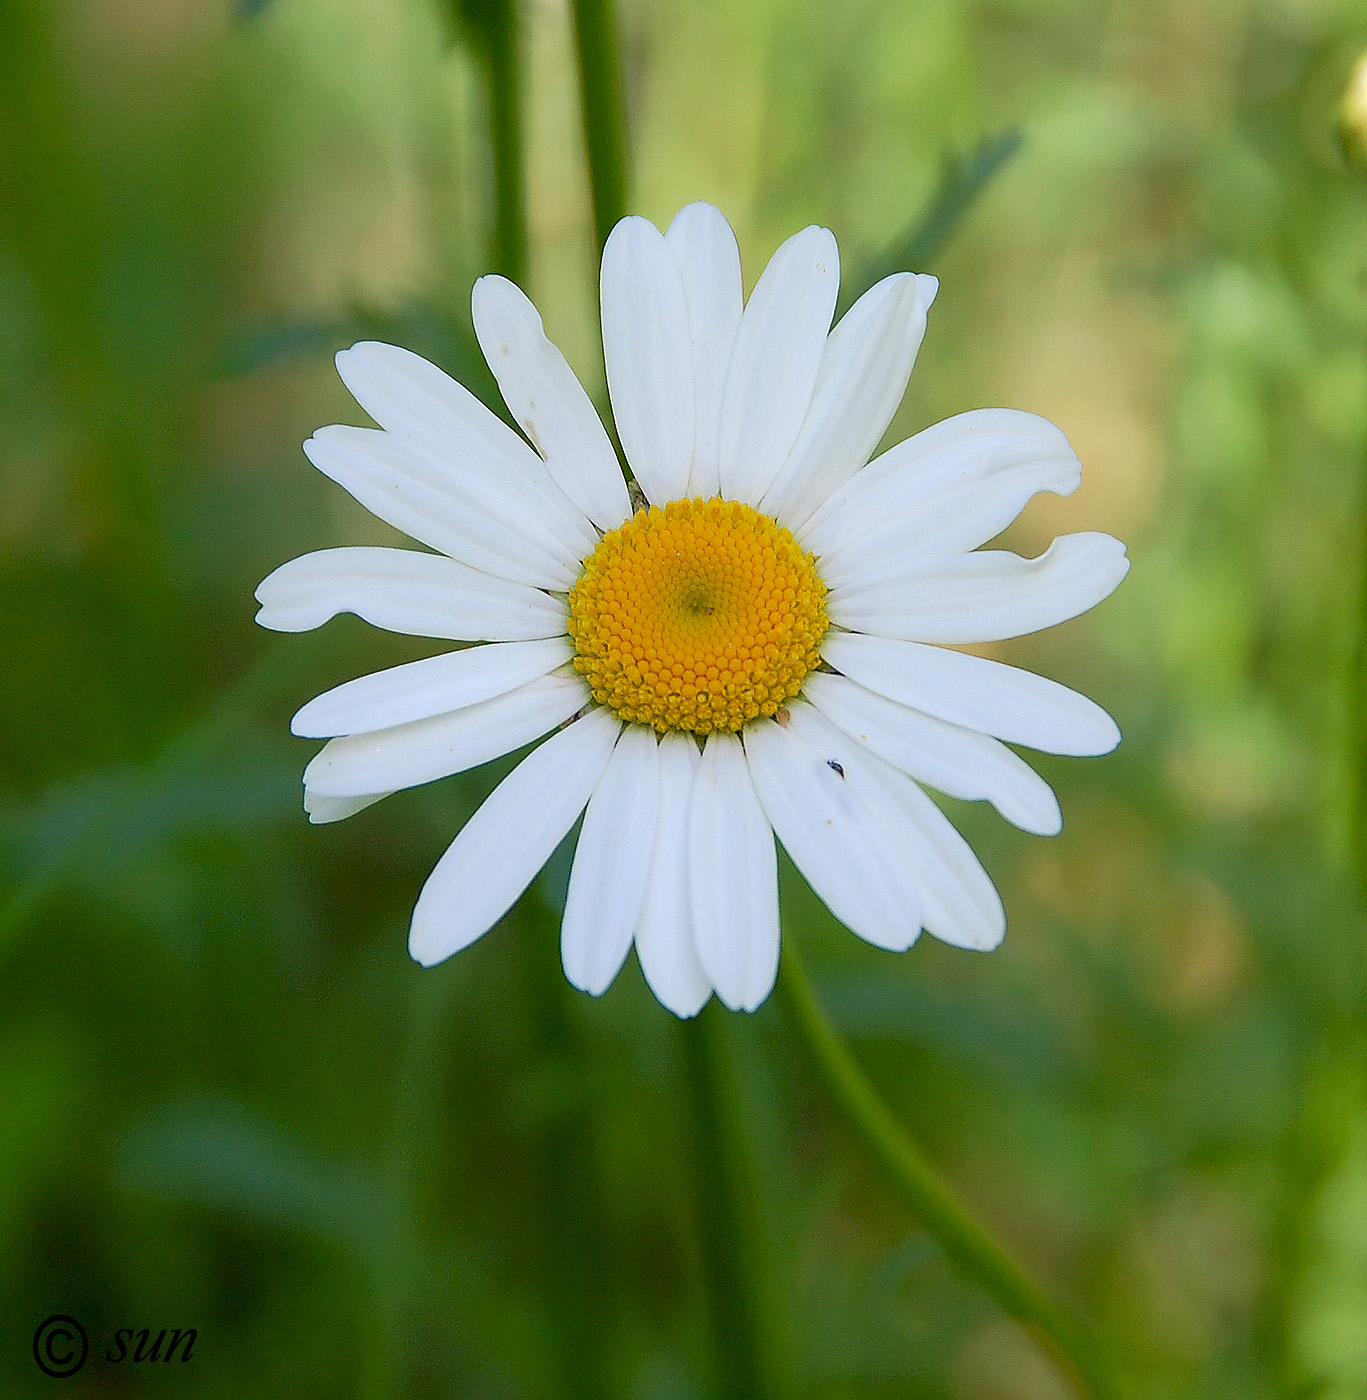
x: 962, y: 182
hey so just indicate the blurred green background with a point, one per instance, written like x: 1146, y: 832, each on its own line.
x: 227, y: 1098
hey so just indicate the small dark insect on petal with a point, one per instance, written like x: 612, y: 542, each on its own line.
x: 831, y: 763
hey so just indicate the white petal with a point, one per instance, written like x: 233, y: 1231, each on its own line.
x: 962, y: 905
x: 548, y: 402
x: 982, y: 597
x: 646, y: 351
x: 322, y: 810
x: 732, y: 877
x: 1004, y: 701
x: 709, y: 263
x: 664, y: 932
x: 492, y: 528
x: 943, y: 491
x: 415, y: 400
x: 821, y: 811
x: 401, y: 590
x: 435, y: 685
x: 612, y: 863
x: 863, y: 375
x: 510, y: 838
x: 959, y: 902
x: 434, y: 748
x: 774, y: 363
x: 957, y: 761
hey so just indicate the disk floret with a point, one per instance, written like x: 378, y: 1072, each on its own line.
x: 699, y: 615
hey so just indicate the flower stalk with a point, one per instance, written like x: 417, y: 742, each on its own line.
x: 743, y: 1301
x: 967, y: 1243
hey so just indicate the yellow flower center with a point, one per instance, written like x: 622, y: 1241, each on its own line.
x: 698, y: 615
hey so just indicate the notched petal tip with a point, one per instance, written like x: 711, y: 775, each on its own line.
x: 270, y: 614
x: 685, y: 1011
x: 360, y: 350
x: 318, y: 442
x: 489, y: 282
x: 819, y: 231
x: 424, y: 950
x: 1123, y: 560
x: 495, y: 295
x: 432, y: 939
x: 322, y: 811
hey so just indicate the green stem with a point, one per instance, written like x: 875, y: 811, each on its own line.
x: 503, y: 50
x: 978, y: 1256
x: 605, y: 126
x: 733, y: 1246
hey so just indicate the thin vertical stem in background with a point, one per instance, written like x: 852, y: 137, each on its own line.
x: 605, y: 124
x: 493, y: 31
x: 731, y: 1237
x: 504, y: 57
x: 967, y: 1244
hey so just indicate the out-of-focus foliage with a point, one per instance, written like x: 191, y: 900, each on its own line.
x: 227, y: 1098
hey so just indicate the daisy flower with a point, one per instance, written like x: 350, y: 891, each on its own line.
x: 759, y: 646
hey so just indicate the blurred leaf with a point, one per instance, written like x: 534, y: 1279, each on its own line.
x: 962, y: 182
x: 93, y: 833
x: 435, y: 334
x: 92, y: 824
x: 266, y: 346
x: 900, y: 1264
x: 224, y: 1157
